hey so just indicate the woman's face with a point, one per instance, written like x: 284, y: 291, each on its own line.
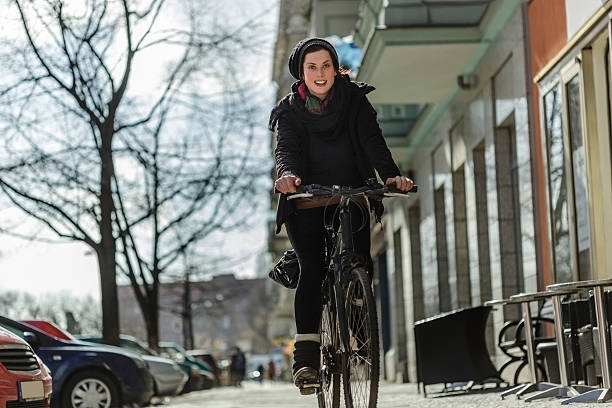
x: 319, y: 73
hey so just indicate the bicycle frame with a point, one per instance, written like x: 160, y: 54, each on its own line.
x: 338, y: 256
x: 343, y: 265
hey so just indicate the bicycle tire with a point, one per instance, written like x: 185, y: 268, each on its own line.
x: 361, y: 367
x: 329, y: 393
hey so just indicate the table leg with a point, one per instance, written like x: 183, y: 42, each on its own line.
x: 564, y: 389
x: 601, y: 394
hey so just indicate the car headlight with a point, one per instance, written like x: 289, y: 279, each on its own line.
x: 42, y: 365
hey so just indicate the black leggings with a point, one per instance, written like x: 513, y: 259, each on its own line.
x: 307, y: 235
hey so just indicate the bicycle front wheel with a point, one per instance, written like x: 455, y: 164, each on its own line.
x: 329, y: 394
x: 361, y: 370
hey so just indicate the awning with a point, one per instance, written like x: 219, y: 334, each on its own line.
x: 420, y: 51
x: 417, y: 65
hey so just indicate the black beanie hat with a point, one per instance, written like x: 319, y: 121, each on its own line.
x: 298, y: 52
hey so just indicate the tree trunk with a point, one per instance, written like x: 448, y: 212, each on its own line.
x: 152, y: 324
x: 107, y: 252
x: 110, y: 304
x: 187, y: 316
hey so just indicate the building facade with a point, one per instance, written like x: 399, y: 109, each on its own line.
x: 571, y: 90
x: 225, y: 312
x: 500, y: 111
x: 469, y: 236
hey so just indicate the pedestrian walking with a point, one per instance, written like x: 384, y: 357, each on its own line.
x: 271, y: 370
x: 237, y: 367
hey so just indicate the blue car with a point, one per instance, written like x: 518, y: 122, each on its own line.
x: 85, y: 375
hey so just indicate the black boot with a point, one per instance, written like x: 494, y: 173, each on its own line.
x: 306, y: 361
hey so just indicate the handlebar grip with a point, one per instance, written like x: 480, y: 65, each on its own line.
x: 393, y: 189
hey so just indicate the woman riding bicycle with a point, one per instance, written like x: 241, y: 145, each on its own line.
x: 327, y: 134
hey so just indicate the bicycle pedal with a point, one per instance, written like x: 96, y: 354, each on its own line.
x: 309, y: 389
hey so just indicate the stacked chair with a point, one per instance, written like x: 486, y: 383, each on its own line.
x: 575, y: 363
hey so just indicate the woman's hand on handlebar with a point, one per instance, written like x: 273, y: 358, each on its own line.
x: 402, y: 183
x: 287, y: 183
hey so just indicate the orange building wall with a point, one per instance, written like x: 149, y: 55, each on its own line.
x: 547, y: 35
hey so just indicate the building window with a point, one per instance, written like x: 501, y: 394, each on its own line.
x: 579, y: 179
x: 482, y: 222
x: 557, y: 184
x: 442, y: 251
x: 381, y: 288
x: 462, y: 264
x: 506, y: 168
x: 400, y: 316
x: 414, y: 218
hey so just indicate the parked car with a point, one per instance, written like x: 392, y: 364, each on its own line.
x: 206, y: 357
x: 24, y: 379
x: 50, y: 328
x: 178, y: 354
x: 84, y: 373
x: 170, y: 379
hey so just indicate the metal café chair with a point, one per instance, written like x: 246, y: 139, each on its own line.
x: 564, y: 389
x: 600, y: 394
x: 525, y: 299
x: 534, y: 385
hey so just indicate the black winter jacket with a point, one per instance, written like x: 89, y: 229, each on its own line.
x: 364, y: 132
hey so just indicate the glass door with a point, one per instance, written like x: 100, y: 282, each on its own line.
x: 578, y: 169
x: 557, y: 184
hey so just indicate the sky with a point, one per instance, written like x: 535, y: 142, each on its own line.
x: 43, y: 267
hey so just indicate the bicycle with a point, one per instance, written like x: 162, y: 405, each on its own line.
x: 349, y: 325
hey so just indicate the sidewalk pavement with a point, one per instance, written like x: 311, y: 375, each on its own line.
x: 406, y: 395
x: 284, y: 395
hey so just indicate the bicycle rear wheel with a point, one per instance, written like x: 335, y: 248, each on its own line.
x: 329, y: 393
x: 361, y: 372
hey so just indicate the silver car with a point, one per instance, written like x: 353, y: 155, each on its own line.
x: 168, y: 376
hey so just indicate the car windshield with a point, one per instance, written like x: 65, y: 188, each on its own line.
x: 138, y: 348
x: 179, y: 349
x: 13, y: 330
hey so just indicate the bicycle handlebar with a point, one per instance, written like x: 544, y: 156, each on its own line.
x: 376, y: 191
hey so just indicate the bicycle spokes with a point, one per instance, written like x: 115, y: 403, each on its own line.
x: 329, y: 393
x: 361, y: 375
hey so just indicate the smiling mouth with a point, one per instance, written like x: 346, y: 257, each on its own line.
x: 320, y: 83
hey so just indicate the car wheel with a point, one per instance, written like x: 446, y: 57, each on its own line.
x: 90, y: 389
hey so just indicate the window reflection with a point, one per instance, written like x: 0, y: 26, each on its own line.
x: 583, y: 240
x: 557, y: 185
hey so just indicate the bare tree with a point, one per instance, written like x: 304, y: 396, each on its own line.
x: 68, y: 115
x: 189, y: 187
x: 75, y: 314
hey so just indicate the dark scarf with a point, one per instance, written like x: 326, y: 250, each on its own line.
x: 331, y: 120
x: 312, y: 103
x: 327, y: 121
